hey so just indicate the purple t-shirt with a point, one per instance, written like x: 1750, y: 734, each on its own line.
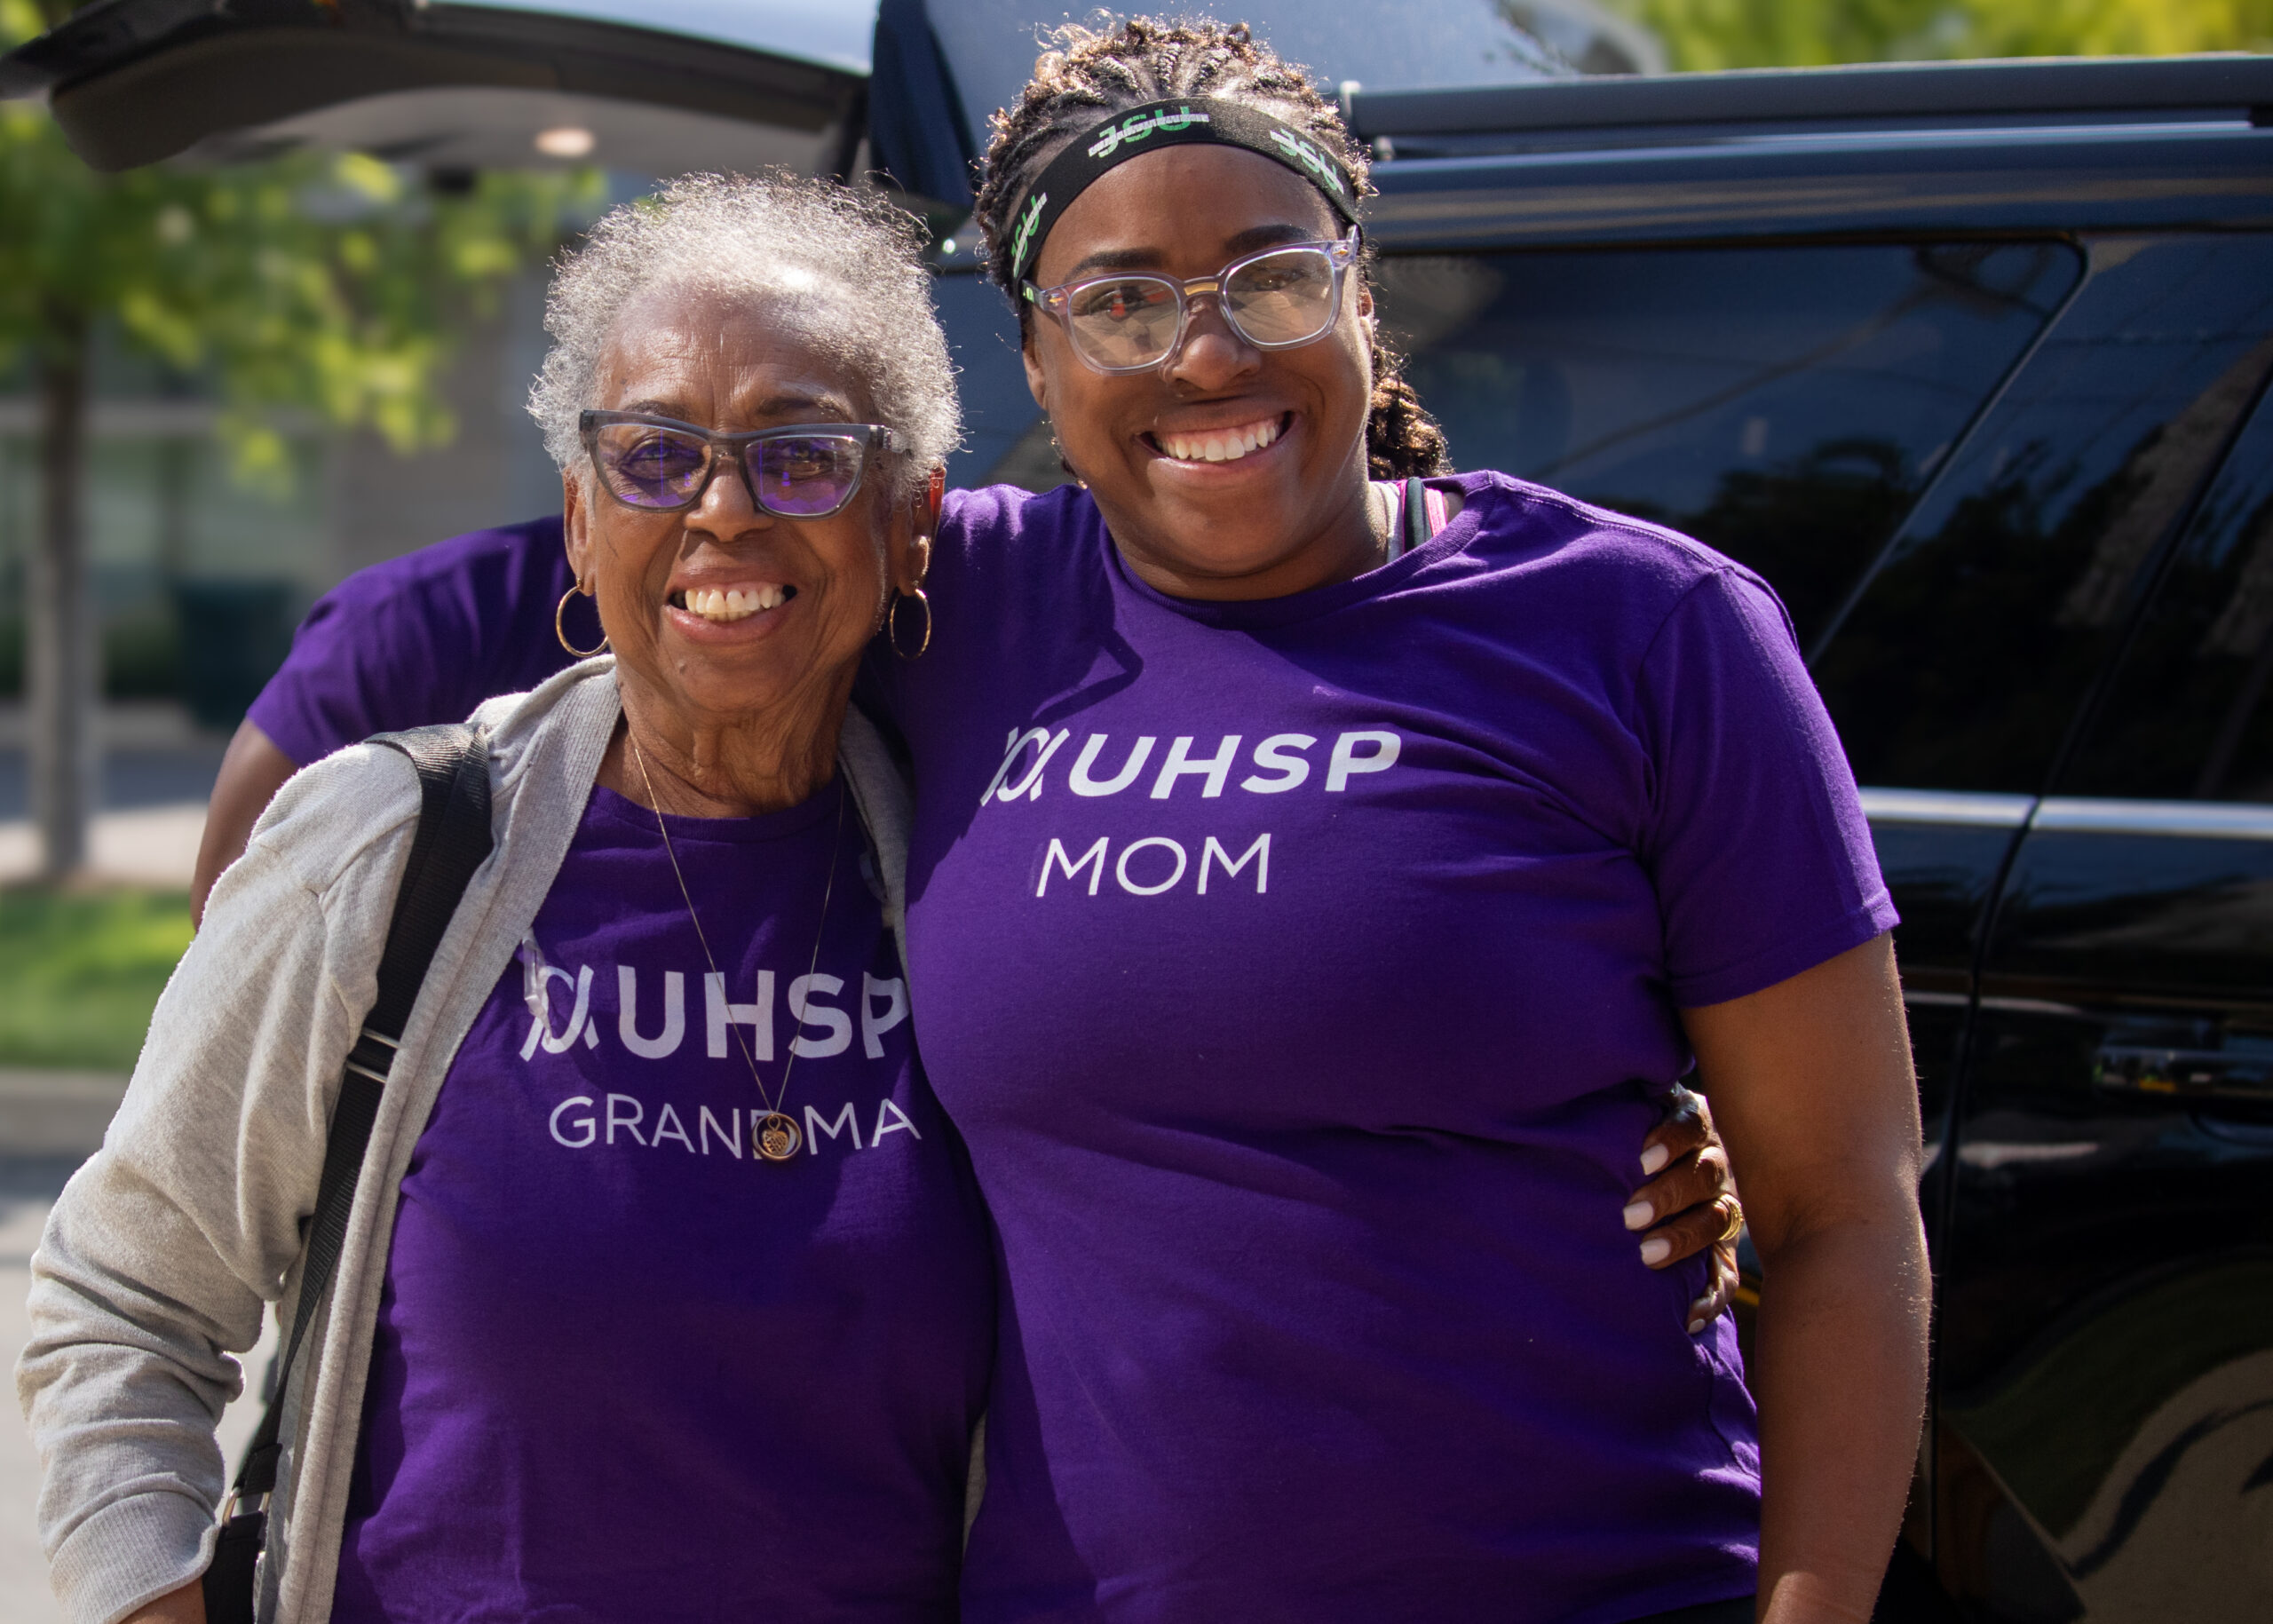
x: 424, y: 637
x: 624, y: 1369
x: 1303, y: 975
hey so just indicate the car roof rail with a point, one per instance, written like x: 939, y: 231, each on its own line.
x: 2238, y: 83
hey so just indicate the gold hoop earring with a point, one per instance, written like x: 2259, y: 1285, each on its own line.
x: 892, y: 624
x: 561, y: 632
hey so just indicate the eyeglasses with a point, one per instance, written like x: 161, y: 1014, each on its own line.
x: 1276, y: 300
x: 660, y: 465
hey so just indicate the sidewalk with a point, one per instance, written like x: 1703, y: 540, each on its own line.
x: 48, y: 1122
x: 148, y: 845
x: 157, y: 770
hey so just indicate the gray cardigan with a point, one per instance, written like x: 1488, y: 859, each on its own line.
x: 167, y: 1246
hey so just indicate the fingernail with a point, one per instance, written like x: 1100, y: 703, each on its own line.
x: 1654, y: 1157
x: 1696, y: 1326
x: 1656, y: 1249
x: 1639, y: 1215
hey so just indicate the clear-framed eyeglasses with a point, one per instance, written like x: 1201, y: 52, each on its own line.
x: 800, y: 470
x: 1279, y: 300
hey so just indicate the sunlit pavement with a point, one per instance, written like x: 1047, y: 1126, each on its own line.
x: 156, y: 770
x: 147, y: 846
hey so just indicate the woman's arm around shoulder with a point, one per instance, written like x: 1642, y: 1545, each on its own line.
x: 163, y: 1251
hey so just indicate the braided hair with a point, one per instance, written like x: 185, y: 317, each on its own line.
x: 1090, y: 74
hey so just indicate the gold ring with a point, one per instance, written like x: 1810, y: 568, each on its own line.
x: 1735, y: 1225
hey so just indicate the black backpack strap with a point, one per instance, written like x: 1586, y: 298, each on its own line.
x: 451, y: 841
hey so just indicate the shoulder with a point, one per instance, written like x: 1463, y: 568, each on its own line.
x: 359, y: 802
x: 1620, y: 576
x: 1011, y: 568
x: 502, y: 545
x: 320, y: 866
x: 330, y: 815
x: 421, y: 638
x: 509, y: 561
x: 1618, y: 614
x: 582, y: 698
x: 1001, y: 525
x: 993, y: 507
x: 469, y: 591
x: 1524, y: 526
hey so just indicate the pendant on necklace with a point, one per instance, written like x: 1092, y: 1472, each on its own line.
x: 777, y: 1137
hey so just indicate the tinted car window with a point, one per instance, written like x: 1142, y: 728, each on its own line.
x: 1999, y: 603
x: 1784, y: 405
x: 2187, y: 716
x: 997, y: 409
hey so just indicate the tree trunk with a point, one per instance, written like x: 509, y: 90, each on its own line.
x: 59, y: 641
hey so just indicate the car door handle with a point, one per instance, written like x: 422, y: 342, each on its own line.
x: 2184, y: 1076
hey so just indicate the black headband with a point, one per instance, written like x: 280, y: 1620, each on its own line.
x: 1138, y: 130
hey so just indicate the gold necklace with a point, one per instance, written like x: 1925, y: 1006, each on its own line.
x: 775, y: 1136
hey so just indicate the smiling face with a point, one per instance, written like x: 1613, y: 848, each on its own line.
x: 724, y: 616
x: 1227, y: 471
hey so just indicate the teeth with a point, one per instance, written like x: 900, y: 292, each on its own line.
x: 731, y: 603
x: 1223, y: 445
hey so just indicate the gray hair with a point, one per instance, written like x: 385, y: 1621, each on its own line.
x: 850, y: 254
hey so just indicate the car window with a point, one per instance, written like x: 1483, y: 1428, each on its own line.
x: 1783, y: 405
x: 1995, y: 608
x: 990, y: 44
x: 998, y: 410
x: 2187, y: 716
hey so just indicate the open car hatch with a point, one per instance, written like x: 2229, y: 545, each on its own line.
x: 657, y: 87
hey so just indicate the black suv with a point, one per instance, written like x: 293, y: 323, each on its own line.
x: 1970, y: 362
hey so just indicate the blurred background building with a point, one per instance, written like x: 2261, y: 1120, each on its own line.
x: 177, y: 539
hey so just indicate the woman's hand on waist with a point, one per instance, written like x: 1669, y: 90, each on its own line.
x: 1689, y: 1205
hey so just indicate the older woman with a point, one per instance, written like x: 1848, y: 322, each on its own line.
x: 1315, y: 883
x: 667, y: 1293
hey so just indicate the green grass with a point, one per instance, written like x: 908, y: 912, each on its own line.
x: 80, y: 972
